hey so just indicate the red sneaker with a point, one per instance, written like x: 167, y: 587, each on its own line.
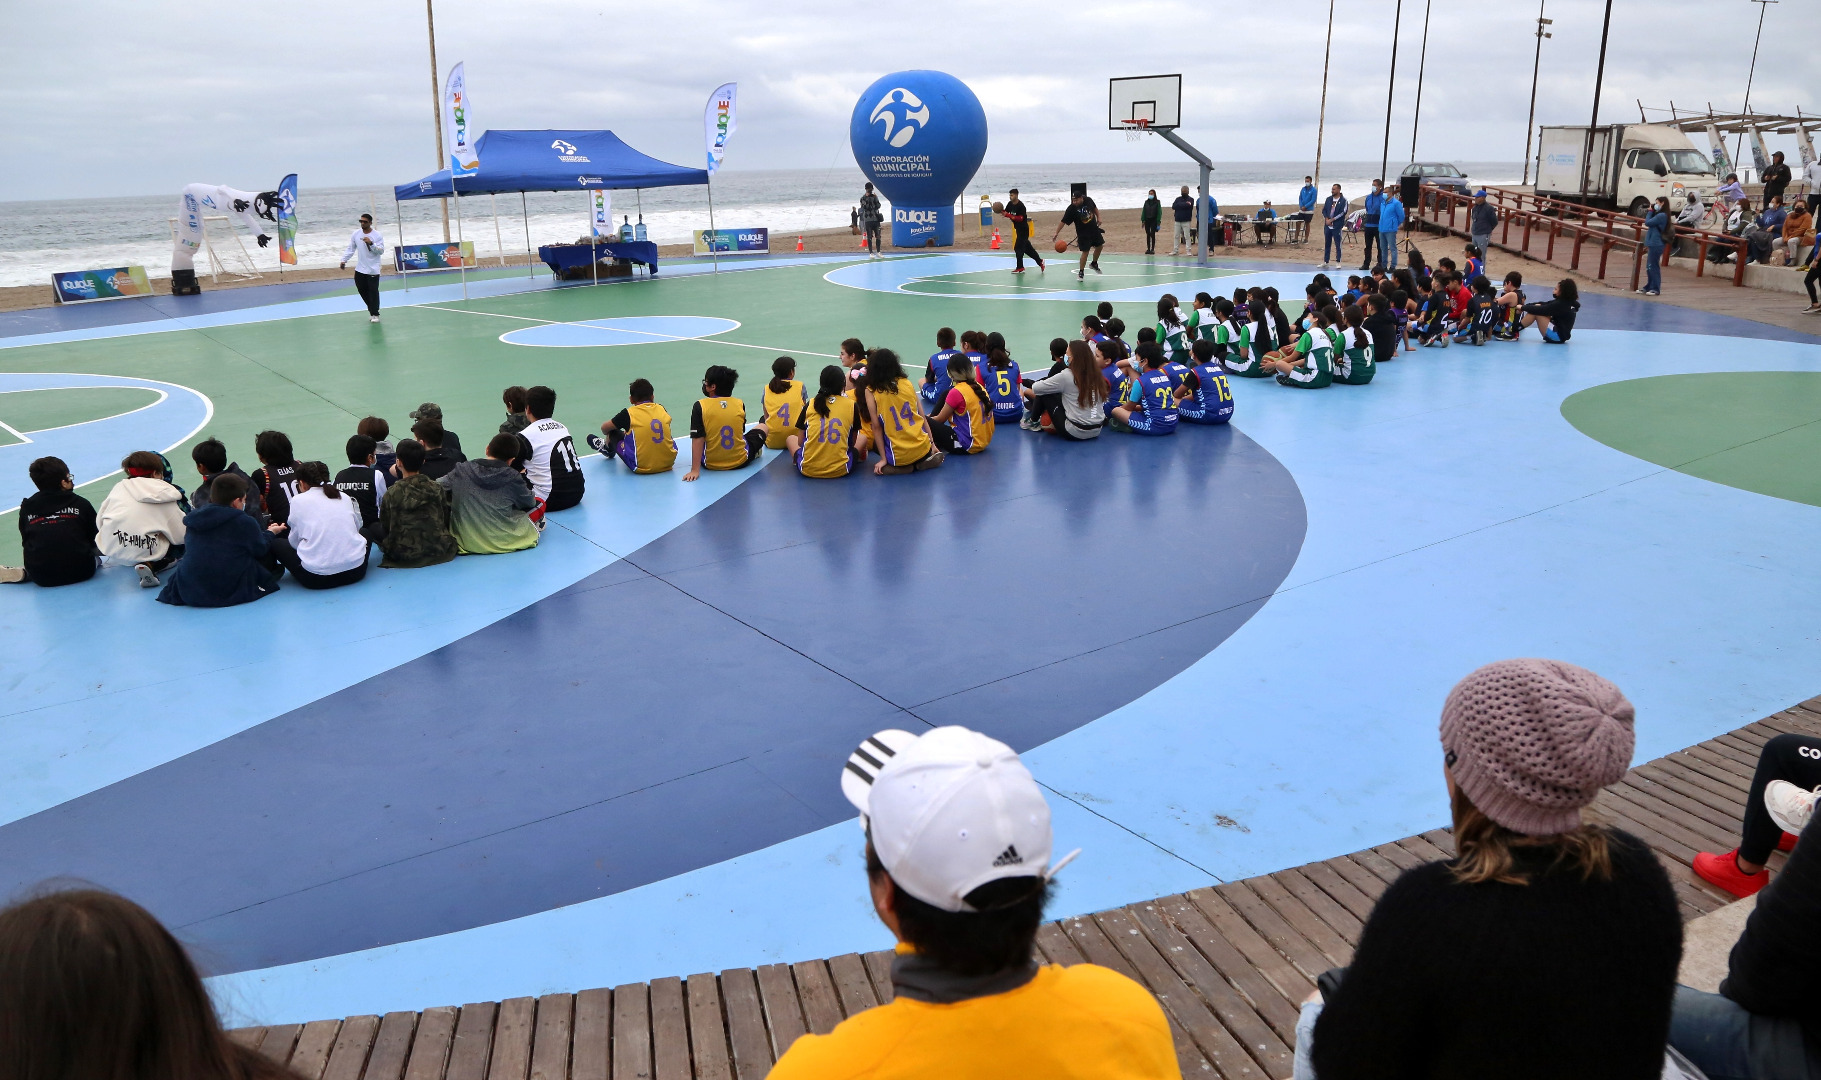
x: 1723, y: 872
x: 1787, y: 842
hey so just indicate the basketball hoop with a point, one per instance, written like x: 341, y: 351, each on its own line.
x: 1134, y: 129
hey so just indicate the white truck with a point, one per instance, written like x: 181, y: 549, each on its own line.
x: 1631, y: 164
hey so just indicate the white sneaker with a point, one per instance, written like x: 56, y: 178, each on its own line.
x: 11, y: 575
x: 373, y: 318
x: 1790, y: 806
x: 147, y: 579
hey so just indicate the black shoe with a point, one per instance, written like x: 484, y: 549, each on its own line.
x: 1094, y: 266
x: 597, y: 444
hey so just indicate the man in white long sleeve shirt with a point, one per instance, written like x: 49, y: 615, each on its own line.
x: 365, y: 247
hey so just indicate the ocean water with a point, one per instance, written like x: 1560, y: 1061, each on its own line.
x: 37, y: 238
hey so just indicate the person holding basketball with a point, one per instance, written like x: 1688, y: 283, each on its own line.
x: 1014, y: 212
x: 1085, y: 216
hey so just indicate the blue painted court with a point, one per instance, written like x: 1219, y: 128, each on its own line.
x: 615, y: 757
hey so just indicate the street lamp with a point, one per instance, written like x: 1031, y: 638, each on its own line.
x: 1530, y: 123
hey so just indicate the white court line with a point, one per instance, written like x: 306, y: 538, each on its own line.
x: 14, y: 432
x: 659, y: 337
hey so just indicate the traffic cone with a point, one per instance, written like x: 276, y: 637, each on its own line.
x: 799, y: 243
x: 862, y: 242
x: 995, y: 239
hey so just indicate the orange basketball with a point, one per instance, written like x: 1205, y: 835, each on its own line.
x: 1061, y: 246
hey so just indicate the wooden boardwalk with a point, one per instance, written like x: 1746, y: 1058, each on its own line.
x: 1230, y: 963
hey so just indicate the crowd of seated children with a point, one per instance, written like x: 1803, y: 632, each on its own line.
x: 783, y: 402
x: 828, y: 442
x: 639, y: 435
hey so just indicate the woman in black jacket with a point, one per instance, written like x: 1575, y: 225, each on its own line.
x: 1546, y: 947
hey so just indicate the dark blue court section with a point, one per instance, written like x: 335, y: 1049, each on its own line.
x: 694, y: 702
x: 50, y: 320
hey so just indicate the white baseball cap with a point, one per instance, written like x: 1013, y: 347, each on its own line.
x: 949, y: 811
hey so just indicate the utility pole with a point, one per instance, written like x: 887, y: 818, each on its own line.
x: 1321, y: 122
x: 1763, y: 6
x: 436, y: 109
x: 1536, y: 68
x: 1422, y: 62
x: 1391, y: 89
x: 1599, y: 77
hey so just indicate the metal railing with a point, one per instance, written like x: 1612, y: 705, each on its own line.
x: 1546, y: 223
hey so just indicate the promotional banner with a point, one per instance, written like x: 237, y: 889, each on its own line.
x: 81, y: 286
x: 1760, y: 157
x: 410, y: 257
x: 463, y: 160
x: 719, y: 122
x: 287, y: 220
x: 919, y: 136
x: 732, y: 241
x: 600, y: 213
x: 1722, y: 163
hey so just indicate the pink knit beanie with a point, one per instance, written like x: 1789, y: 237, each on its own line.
x: 1536, y: 740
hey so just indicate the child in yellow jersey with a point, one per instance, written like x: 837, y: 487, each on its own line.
x: 823, y: 443
x: 853, y: 358
x: 899, y: 428
x: 784, y: 398
x: 969, y: 1002
x: 965, y: 420
x: 639, y: 434
x: 719, y: 437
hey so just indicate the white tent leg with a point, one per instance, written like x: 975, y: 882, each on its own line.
x: 525, y: 209
x: 498, y: 244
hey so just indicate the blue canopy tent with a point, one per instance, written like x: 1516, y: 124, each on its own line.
x: 550, y: 160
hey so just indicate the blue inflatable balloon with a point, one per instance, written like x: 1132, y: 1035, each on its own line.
x: 919, y: 136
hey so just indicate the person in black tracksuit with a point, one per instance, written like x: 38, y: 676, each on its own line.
x: 56, y: 530
x: 1021, y: 233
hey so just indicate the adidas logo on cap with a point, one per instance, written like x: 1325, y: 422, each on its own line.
x: 1009, y: 857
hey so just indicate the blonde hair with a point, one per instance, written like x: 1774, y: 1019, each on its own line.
x: 1484, y: 849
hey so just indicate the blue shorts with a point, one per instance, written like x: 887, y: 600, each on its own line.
x: 1142, y: 424
x: 1552, y: 337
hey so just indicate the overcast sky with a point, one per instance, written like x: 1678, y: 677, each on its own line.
x: 126, y: 97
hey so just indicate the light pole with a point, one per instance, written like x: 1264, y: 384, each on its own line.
x: 1599, y: 78
x: 1422, y: 62
x: 436, y: 108
x: 1536, y: 68
x: 1397, y: 20
x: 1763, y: 6
x: 1321, y: 122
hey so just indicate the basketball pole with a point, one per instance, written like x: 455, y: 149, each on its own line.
x: 1201, y: 201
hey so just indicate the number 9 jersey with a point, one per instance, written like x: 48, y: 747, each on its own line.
x: 648, y: 446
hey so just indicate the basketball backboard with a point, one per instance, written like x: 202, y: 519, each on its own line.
x: 1156, y: 99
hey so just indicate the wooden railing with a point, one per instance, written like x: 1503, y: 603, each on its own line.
x: 1542, y: 224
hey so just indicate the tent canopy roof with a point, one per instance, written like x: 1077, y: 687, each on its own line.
x: 553, y: 160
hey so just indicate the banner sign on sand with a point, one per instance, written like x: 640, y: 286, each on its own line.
x: 733, y: 241
x: 81, y: 286
x: 412, y: 257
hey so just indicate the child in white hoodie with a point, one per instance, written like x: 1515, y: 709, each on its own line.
x: 140, y: 523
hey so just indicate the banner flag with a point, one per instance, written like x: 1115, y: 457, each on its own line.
x: 287, y: 220
x: 1722, y: 164
x: 719, y: 122
x: 600, y: 216
x: 463, y: 160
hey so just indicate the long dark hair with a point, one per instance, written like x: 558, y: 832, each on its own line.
x: 782, y: 369
x: 93, y: 987
x: 830, y: 385
x: 1569, y: 291
x: 1484, y: 848
x: 315, y: 474
x: 1090, y: 384
x: 961, y: 373
x: 883, y: 371
x: 1355, y: 318
x: 1166, y: 310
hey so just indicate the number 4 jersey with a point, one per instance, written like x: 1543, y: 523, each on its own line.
x: 552, y: 468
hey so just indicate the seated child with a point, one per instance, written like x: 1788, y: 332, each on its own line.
x: 1116, y: 369
x: 57, y: 529
x: 1400, y: 310
x: 1092, y: 330
x: 1232, y: 339
x: 935, y: 384
x: 363, y: 483
x: 1174, y: 330
x: 1002, y: 380
x: 517, y: 419
x: 383, y: 454
x: 1151, y: 408
x: 211, y: 460
x: 639, y: 435
x: 439, y: 459
x: 226, y: 555
x: 1554, y: 318
x: 414, y: 515
x: 1475, y: 265
x: 973, y: 346
x: 1353, y: 293
x: 1245, y: 351
x: 1059, y: 354
x: 966, y: 420
x: 1482, y: 315
x: 823, y: 444
x: 719, y: 437
x: 490, y: 502
x: 784, y: 398
x: 276, y: 477
x: 1205, y: 316
x: 320, y: 543
x: 140, y: 523
x: 1113, y: 330
x: 899, y: 427
x: 1353, y: 363
x: 1313, y: 365
x: 1511, y: 308
x: 1204, y: 396
x: 1432, y: 320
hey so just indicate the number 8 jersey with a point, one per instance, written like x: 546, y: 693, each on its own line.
x: 721, y: 423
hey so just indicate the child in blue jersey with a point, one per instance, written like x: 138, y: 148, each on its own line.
x: 964, y: 422
x: 1204, y: 396
x: 1115, y: 369
x: 1113, y: 330
x: 935, y: 384
x: 1003, y: 382
x: 973, y: 346
x: 1475, y: 265
x: 1353, y: 293
x: 1151, y: 409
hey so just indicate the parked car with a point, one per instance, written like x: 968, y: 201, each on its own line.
x: 1439, y: 173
